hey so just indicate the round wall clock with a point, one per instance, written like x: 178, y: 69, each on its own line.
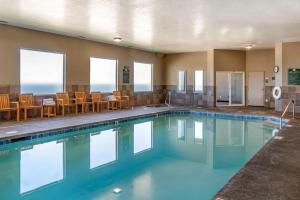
x: 276, y: 69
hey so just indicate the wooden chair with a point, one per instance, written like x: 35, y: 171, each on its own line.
x: 27, y: 103
x: 112, y: 102
x: 63, y: 101
x: 97, y: 101
x: 81, y: 100
x: 122, y: 101
x: 7, y: 106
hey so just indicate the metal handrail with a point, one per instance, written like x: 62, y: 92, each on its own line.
x: 286, y: 109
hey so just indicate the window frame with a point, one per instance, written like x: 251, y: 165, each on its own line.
x: 45, y: 51
x: 117, y: 73
x: 199, y: 91
x: 185, y: 81
x: 152, y: 66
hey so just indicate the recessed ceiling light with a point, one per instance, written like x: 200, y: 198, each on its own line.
x: 249, y: 46
x: 117, y: 39
x: 3, y: 22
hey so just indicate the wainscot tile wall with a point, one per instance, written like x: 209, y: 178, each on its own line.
x: 191, y: 98
x: 288, y: 93
x: 269, y: 100
x: 157, y: 96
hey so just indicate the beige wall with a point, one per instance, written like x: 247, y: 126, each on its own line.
x: 77, y: 52
x: 261, y: 61
x: 229, y: 60
x: 184, y: 61
x: 290, y: 58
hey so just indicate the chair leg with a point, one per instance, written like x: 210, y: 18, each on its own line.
x: 54, y: 108
x: 8, y: 115
x: 42, y: 112
x: 18, y: 115
x: 76, y: 109
x: 25, y: 114
x: 63, y: 110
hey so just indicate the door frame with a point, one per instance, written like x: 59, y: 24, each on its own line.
x: 248, y: 87
x: 229, y: 89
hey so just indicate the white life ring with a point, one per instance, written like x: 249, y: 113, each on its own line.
x: 276, y: 93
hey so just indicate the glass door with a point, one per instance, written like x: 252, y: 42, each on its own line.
x: 236, y: 90
x: 230, y: 88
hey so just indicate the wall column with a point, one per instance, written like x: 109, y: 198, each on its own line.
x: 279, y: 75
x: 211, y: 86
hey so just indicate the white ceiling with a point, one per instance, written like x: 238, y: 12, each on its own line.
x: 163, y: 25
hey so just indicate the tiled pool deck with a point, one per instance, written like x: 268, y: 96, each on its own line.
x: 273, y: 173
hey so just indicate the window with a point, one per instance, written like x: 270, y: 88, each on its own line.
x: 198, y: 132
x: 181, y: 80
x: 142, y: 137
x: 41, y: 72
x: 199, y: 81
x: 142, y: 77
x: 41, y: 165
x: 103, y: 148
x: 103, y: 75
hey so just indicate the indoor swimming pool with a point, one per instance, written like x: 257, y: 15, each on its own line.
x: 178, y: 156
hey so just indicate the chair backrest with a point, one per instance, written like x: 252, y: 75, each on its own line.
x: 26, y: 100
x: 64, y: 96
x: 4, y: 101
x: 96, y: 96
x: 117, y: 94
x: 80, y: 96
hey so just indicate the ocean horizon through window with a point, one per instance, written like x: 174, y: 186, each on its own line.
x: 41, y: 72
x: 142, y: 77
x: 103, y: 75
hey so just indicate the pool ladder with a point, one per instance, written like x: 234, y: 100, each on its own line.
x: 286, y: 109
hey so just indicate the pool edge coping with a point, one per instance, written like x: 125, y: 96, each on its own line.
x: 67, y: 129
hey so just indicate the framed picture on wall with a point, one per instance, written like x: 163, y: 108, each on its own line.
x: 294, y: 76
x: 126, y: 75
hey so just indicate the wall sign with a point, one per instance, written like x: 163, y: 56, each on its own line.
x: 126, y: 75
x: 294, y: 76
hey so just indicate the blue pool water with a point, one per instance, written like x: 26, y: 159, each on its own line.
x: 167, y: 157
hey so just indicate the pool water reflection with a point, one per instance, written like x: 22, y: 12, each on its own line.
x: 168, y: 157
